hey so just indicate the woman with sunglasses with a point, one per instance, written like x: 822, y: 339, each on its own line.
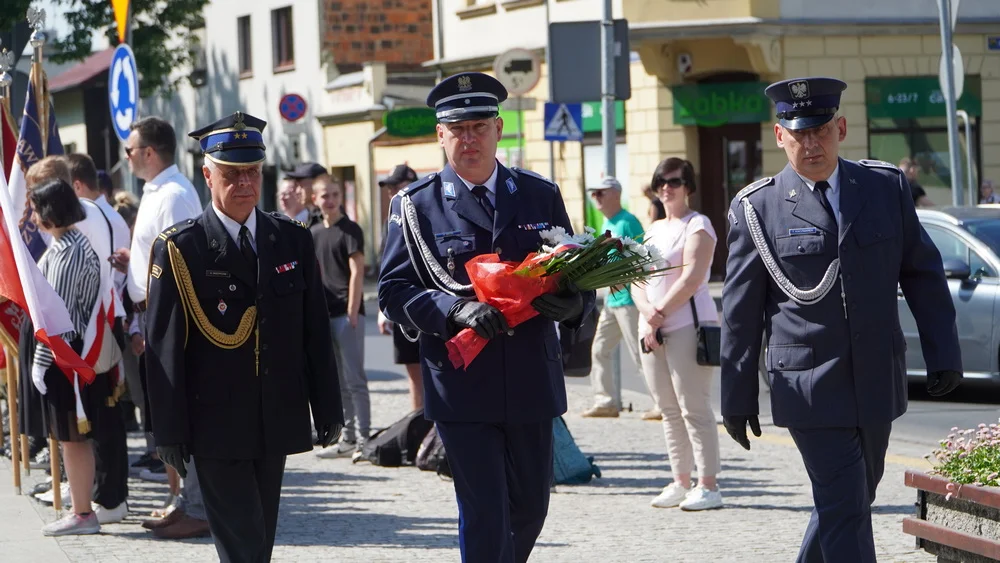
x: 681, y: 388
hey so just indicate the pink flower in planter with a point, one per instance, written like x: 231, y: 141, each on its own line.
x: 948, y: 496
x: 992, y: 476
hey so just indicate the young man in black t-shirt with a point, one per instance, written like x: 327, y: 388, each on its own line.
x: 340, y: 252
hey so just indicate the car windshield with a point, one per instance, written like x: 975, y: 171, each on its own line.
x: 988, y: 231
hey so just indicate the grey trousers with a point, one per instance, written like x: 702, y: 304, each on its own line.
x: 615, y: 325
x: 349, y: 349
x: 190, y: 498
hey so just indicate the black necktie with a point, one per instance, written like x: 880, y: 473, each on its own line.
x: 820, y: 190
x: 247, y: 249
x: 482, y: 194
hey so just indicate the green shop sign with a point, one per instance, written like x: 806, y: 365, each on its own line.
x: 410, y: 122
x: 712, y: 105
x: 917, y: 96
x: 593, y: 117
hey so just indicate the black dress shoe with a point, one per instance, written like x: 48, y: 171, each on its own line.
x: 146, y: 460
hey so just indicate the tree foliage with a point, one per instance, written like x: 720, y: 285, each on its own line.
x: 13, y: 13
x: 156, y: 26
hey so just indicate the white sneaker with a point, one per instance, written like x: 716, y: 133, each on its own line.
x: 342, y: 448
x: 671, y: 496
x: 110, y: 515
x: 48, y: 497
x: 73, y: 525
x: 701, y: 498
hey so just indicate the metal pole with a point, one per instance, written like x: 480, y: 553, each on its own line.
x: 375, y: 197
x: 973, y: 195
x: 548, y: 70
x: 944, y: 14
x: 520, y: 134
x: 608, y: 89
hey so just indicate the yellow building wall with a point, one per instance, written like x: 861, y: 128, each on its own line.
x: 423, y: 157
x: 346, y: 144
x: 853, y: 59
x: 68, y: 107
x: 680, y: 10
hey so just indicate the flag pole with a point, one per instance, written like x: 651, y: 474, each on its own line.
x: 36, y: 20
x: 11, y: 372
x: 6, y: 63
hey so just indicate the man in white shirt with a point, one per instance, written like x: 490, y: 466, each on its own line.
x: 289, y: 201
x: 108, y: 231
x: 168, y: 198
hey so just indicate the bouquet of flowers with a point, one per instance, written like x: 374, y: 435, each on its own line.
x: 585, y: 262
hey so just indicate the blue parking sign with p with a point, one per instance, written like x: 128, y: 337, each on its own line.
x: 123, y: 90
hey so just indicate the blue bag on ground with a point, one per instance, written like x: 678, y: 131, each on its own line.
x: 570, y: 466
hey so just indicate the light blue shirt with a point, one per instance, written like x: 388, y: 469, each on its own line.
x: 832, y: 194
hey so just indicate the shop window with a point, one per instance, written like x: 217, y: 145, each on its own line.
x: 925, y: 140
x: 282, y: 46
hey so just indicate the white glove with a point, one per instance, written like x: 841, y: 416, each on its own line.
x: 384, y: 324
x: 38, y: 377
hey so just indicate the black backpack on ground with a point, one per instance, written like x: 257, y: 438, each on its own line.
x: 431, y: 455
x: 397, y: 444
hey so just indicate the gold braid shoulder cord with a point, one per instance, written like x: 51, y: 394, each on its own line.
x: 800, y: 296
x: 190, y: 304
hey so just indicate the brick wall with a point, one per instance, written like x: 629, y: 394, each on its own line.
x: 396, y: 32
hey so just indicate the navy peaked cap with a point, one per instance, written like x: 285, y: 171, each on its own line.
x: 804, y: 103
x: 465, y: 96
x: 236, y: 140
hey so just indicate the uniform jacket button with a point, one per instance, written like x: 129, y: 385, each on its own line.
x: 263, y: 346
x: 439, y: 364
x: 801, y: 249
x: 781, y: 364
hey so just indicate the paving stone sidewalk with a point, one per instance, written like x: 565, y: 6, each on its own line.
x: 336, y: 511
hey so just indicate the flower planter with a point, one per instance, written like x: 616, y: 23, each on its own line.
x: 963, y: 528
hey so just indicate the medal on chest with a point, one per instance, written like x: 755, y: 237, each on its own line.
x: 222, y: 307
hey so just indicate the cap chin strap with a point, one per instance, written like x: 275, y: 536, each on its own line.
x: 800, y: 296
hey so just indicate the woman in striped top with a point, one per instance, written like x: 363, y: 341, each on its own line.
x: 73, y: 269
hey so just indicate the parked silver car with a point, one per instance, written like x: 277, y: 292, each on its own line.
x: 969, y: 241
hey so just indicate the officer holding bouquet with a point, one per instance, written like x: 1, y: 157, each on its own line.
x: 816, y: 255
x: 495, y: 415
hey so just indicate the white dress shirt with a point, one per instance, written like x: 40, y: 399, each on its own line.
x: 167, y: 199
x: 832, y: 193
x: 233, y: 228
x: 101, y: 239
x: 121, y: 237
x: 490, y: 184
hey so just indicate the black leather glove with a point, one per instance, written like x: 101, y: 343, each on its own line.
x: 175, y: 456
x: 485, y: 319
x: 564, y: 306
x: 737, y: 428
x: 943, y: 382
x: 328, y: 434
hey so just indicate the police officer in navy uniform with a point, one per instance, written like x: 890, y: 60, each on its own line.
x: 495, y: 415
x: 816, y: 255
x: 237, y: 350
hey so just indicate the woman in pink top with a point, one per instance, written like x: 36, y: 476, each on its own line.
x: 681, y: 388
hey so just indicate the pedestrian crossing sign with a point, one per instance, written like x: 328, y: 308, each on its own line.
x: 562, y: 122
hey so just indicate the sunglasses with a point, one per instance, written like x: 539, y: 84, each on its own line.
x: 670, y: 183
x: 129, y: 150
x: 597, y: 194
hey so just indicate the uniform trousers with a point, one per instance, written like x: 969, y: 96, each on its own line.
x: 615, y: 325
x: 845, y: 466
x: 241, y: 499
x: 502, y: 475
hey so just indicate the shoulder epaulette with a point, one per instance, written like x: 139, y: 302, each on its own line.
x: 287, y: 219
x: 879, y: 164
x: 173, y: 230
x: 763, y: 182
x: 532, y: 174
x: 421, y: 183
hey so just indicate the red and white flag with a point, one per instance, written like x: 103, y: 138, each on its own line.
x: 23, y: 283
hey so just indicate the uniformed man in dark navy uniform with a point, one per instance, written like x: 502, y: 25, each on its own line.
x: 816, y: 255
x: 237, y: 347
x: 495, y: 416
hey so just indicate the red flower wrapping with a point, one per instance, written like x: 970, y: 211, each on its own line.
x: 497, y: 284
